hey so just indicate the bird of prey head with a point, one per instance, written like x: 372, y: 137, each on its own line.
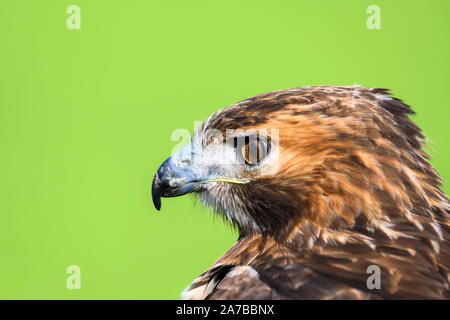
x: 321, y: 182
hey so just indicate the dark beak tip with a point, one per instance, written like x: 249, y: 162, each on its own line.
x: 156, y: 200
x: 157, y: 203
x: 156, y: 193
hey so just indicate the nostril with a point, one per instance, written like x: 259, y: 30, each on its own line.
x: 186, y: 162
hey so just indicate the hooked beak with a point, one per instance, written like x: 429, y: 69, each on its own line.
x: 177, y: 177
x: 171, y: 181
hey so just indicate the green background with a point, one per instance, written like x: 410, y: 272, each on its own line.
x: 86, y: 117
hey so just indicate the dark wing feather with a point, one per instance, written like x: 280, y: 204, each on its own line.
x: 411, y: 268
x: 279, y: 280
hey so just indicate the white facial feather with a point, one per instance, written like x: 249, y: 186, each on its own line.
x: 219, y: 159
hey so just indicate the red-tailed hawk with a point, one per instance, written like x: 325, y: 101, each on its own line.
x: 324, y: 184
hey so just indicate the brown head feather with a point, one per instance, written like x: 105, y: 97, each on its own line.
x: 344, y: 152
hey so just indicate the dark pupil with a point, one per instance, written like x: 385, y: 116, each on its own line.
x: 251, y: 149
